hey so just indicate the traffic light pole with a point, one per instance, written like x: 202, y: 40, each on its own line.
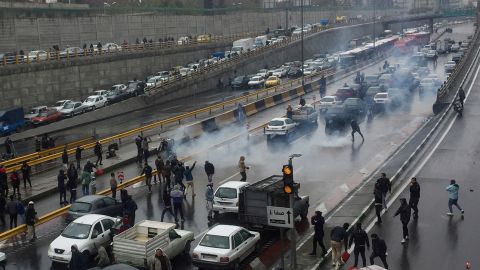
x: 293, y: 244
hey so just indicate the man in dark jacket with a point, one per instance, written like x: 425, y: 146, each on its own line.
x: 404, y: 211
x: 414, y: 196
x: 378, y: 200
x: 129, y: 208
x: 30, y: 220
x: 77, y: 261
x: 72, y: 175
x: 61, y: 186
x: 209, y: 170
x: 89, y: 166
x: 337, y: 236
x: 179, y: 175
x: 355, y: 128
x: 97, y: 150
x: 360, y: 238
x: 138, y: 143
x: 148, y: 172
x: 318, y: 221
x: 323, y: 86
x: 385, y: 186
x: 160, y: 166
x: 8, y: 146
x: 379, y: 249
x: 167, y: 201
x: 26, y: 170
x: 78, y: 156
x: 65, y: 157
x: 461, y: 95
x: 12, y: 211
x: 4, y: 180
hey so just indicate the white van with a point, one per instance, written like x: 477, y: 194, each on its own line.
x: 226, y: 197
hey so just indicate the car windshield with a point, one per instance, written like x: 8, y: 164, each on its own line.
x: 327, y: 99
x: 77, y: 231
x: 276, y: 123
x: 69, y: 106
x: 81, y: 207
x: 226, y: 193
x: 382, y: 95
x: 59, y: 103
x: 215, y: 241
x: 152, y: 80
x: 90, y: 100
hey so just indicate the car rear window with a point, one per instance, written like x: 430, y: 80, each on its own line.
x: 81, y: 207
x: 327, y: 100
x: 215, y: 241
x: 226, y: 193
x: 383, y: 95
x: 275, y: 123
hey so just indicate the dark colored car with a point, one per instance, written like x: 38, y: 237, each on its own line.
x: 135, y: 88
x: 47, y: 117
x: 345, y: 92
x: 114, y: 96
x: 294, y: 72
x: 240, y: 82
x: 95, y: 204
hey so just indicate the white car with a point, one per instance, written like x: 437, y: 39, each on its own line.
x: 94, y: 102
x: 450, y: 66
x: 256, y: 81
x: 37, y: 56
x: 59, y: 104
x: 102, y: 93
x: 381, y: 98
x: 226, y: 197
x: 87, y: 232
x: 118, y: 87
x: 153, y: 81
x: 280, y: 126
x: 263, y: 73
x: 111, y: 47
x: 431, y: 54
x: 225, y: 247
x: 280, y: 72
x: 72, y: 108
x: 328, y: 101
x: 34, y: 112
x: 309, y: 71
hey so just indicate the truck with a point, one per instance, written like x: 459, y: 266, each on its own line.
x: 305, y: 114
x: 243, y: 45
x: 11, y: 120
x: 324, y: 23
x: 260, y: 41
x: 135, y: 246
x: 254, y: 199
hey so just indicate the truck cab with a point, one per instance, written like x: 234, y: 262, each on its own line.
x: 11, y: 120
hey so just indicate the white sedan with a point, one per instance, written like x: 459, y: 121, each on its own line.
x: 280, y: 126
x: 93, y: 102
x: 225, y: 247
x: 256, y: 82
x: 87, y: 232
x: 328, y: 101
x: 381, y: 98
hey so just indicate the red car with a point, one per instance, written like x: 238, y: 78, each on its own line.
x: 345, y: 92
x: 46, y: 117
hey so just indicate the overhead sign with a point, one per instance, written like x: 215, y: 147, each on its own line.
x: 280, y: 217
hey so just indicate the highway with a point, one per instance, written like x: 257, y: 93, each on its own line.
x: 328, y: 162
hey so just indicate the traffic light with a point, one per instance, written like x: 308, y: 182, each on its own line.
x: 287, y: 171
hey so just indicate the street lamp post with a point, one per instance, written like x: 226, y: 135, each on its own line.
x: 302, y: 27
x: 374, y: 19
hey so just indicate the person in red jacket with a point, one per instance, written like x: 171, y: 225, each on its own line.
x: 15, y: 181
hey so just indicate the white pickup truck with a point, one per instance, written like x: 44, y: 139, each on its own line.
x: 305, y: 114
x: 137, y: 244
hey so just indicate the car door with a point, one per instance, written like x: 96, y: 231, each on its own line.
x: 239, y: 247
x: 107, y: 224
x: 248, y: 239
x: 97, y: 236
x: 99, y: 207
x: 77, y: 108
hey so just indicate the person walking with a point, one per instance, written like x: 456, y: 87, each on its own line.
x: 461, y: 95
x: 302, y: 101
x: 209, y: 199
x: 179, y: 172
x: 15, y: 181
x: 379, y: 249
x: 167, y: 203
x: 404, y: 211
x: 78, y: 156
x: 159, y: 165
x: 77, y: 261
x: 97, y: 150
x: 189, y: 179
x: 30, y: 220
x: 378, y: 201
x: 209, y: 170
x: 3, y: 204
x: 159, y: 261
x: 360, y: 238
x: 414, y: 196
x: 12, y: 211
x: 355, y: 129
x: 102, y: 258
x: 148, y: 172
x: 385, y: 187
x: 61, y: 186
x: 4, y: 181
x: 86, y: 178
x: 338, y: 235
x: 289, y: 111
x: 72, y: 176
x: 452, y: 190
x: 146, y: 153
x: 318, y: 221
x: 177, y: 199
x: 167, y: 173
x: 26, y: 170
x: 113, y: 185
x: 9, y: 147
x: 138, y: 143
x: 243, y: 169
x: 323, y: 86
x: 89, y: 166
x: 65, y: 157
x: 129, y: 206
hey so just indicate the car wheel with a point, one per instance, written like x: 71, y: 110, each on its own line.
x: 106, y: 104
x: 186, y: 250
x: 87, y: 255
x: 72, y: 114
x: 93, y: 108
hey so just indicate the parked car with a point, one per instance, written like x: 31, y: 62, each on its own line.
x: 345, y: 92
x: 72, y: 108
x: 34, y: 112
x: 11, y: 120
x: 153, y: 81
x: 46, y: 117
x: 135, y: 88
x: 240, y: 82
x: 455, y: 47
x: 114, y: 96
x: 273, y: 81
x: 88, y: 233
x: 111, y: 47
x: 225, y: 247
x: 94, y: 102
x: 95, y: 204
x: 59, y: 104
x: 102, y: 93
x: 256, y: 82
x: 38, y: 55
x: 71, y: 52
x: 431, y: 54
x: 225, y: 198
x: 294, y: 72
x: 280, y: 72
x: 121, y: 87
x: 381, y: 98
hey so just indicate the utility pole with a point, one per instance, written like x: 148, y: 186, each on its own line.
x: 286, y: 15
x: 374, y: 20
x: 303, y: 28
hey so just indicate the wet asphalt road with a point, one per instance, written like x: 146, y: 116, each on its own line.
x: 326, y: 162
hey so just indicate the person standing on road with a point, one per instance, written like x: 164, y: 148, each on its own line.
x: 385, y: 187
x: 61, y: 186
x: 177, y: 199
x: 355, y: 128
x: 167, y: 202
x: 15, y: 181
x: 9, y: 147
x: 243, y: 169
x: 209, y: 170
x: 72, y: 175
x: 179, y: 172
x: 302, y: 101
x: 378, y: 200
x: 159, y: 261
x: 289, y: 111
x: 461, y: 95
x: 77, y: 260
x: 89, y: 166
x: 147, y: 171
x: 452, y: 190
x: 4, y: 180
x: 78, y: 156
x: 159, y: 165
x: 189, y: 179
x: 26, y: 170
x: 323, y: 86
x: 12, y: 211
x: 86, y: 178
x: 405, y: 212
x: 146, y: 153
x: 138, y: 143
x: 209, y: 199
x: 414, y: 196
x: 360, y: 238
x: 113, y: 185
x: 30, y: 220
x: 337, y: 236
x: 379, y: 249
x: 129, y: 206
x: 65, y: 157
x: 97, y: 150
x: 318, y: 221
x: 167, y: 173
x: 3, y: 204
